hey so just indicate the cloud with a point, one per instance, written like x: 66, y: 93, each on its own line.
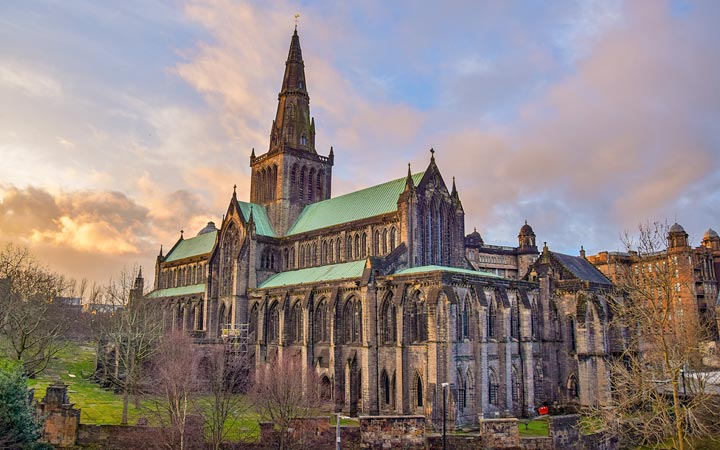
x: 28, y: 81
x: 620, y: 139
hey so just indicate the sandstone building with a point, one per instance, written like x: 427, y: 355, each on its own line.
x: 691, y: 273
x: 379, y: 291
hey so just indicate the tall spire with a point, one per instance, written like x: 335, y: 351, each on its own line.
x: 293, y: 126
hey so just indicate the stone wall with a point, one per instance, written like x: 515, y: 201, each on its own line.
x: 565, y: 432
x: 500, y: 433
x: 116, y: 437
x: 314, y: 433
x: 537, y: 443
x: 382, y: 432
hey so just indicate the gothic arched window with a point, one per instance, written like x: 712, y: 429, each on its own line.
x: 462, y: 391
x: 253, y: 325
x: 385, y: 387
x: 392, y: 238
x: 296, y: 323
x: 417, y: 319
x: 303, y: 139
x: 493, y: 387
x: 376, y: 242
x: 418, y: 390
x: 352, y: 321
x: 388, y: 320
x: 321, y: 323
x: 363, y: 246
x: 515, y: 319
x: 538, y: 383
x: 492, y: 320
x: 311, y: 185
x: 571, y: 333
x: 273, y: 324
x: 319, y: 184
x: 534, y: 319
x: 356, y: 249
x: 301, y: 184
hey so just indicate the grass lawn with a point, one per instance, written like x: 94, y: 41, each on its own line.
x: 537, y: 427
x: 74, y: 365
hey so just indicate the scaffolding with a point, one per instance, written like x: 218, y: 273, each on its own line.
x: 236, y: 337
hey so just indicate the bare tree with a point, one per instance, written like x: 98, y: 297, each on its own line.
x: 225, y: 373
x: 654, y: 399
x: 31, y: 334
x: 130, y: 339
x: 283, y: 392
x: 175, y: 380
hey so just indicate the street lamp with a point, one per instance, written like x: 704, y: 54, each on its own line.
x: 444, y: 429
x: 337, y: 431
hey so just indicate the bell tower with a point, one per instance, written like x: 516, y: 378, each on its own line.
x: 291, y: 174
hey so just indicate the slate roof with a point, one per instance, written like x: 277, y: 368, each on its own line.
x: 180, y: 290
x: 433, y: 268
x: 368, y: 202
x: 581, y: 268
x: 194, y: 246
x: 260, y: 217
x: 330, y: 272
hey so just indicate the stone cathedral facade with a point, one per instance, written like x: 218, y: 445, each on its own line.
x: 378, y: 291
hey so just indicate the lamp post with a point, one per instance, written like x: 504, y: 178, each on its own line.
x: 337, y: 431
x: 444, y: 428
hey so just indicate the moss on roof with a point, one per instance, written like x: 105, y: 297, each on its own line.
x: 263, y: 227
x: 368, y: 202
x: 432, y: 268
x: 198, y: 245
x: 180, y: 290
x: 330, y: 272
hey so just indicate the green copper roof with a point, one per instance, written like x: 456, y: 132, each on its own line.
x: 180, y: 290
x: 357, y: 205
x: 315, y: 274
x: 259, y: 213
x: 423, y: 269
x: 195, y: 246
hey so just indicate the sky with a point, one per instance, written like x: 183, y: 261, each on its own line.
x: 124, y: 122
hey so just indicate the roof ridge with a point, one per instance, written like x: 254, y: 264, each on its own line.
x: 356, y: 205
x: 418, y: 174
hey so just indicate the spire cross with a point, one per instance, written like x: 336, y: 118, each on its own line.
x: 234, y: 188
x: 297, y: 18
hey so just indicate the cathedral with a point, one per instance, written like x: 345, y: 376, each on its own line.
x: 381, y: 293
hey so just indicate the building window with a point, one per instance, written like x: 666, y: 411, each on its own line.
x: 322, y: 333
x: 352, y: 321
x: 273, y: 324
x: 462, y: 392
x: 515, y: 319
x: 493, y: 388
x: 492, y: 320
x: 418, y: 319
x: 303, y: 139
x: 571, y: 334
x: 418, y: 390
x: 296, y: 323
x: 534, y: 319
x: 252, y: 326
x: 388, y: 320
